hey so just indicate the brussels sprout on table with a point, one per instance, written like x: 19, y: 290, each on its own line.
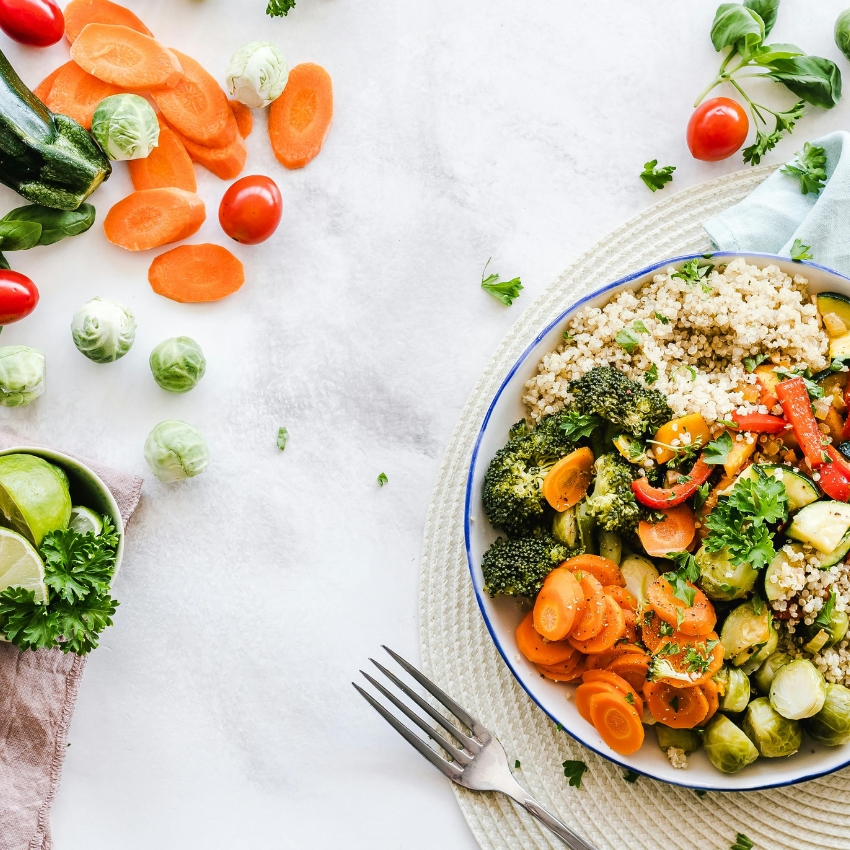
x: 764, y: 676
x: 21, y: 375
x: 831, y: 725
x: 178, y: 364
x: 257, y: 74
x: 726, y: 746
x: 735, y: 687
x: 798, y: 690
x: 175, y: 450
x: 103, y: 330
x: 126, y: 127
x: 774, y: 735
x: 842, y: 33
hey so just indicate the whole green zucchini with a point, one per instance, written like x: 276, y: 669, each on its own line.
x: 48, y: 159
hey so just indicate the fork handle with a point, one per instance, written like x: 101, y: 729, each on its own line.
x: 570, y: 838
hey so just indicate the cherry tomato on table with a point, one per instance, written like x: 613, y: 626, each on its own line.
x: 250, y: 209
x: 717, y: 129
x: 38, y: 23
x: 18, y: 296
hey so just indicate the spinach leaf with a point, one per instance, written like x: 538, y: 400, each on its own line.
x: 4, y: 263
x: 767, y: 10
x: 814, y: 79
x: 19, y: 235
x: 768, y: 53
x: 55, y: 224
x: 738, y: 25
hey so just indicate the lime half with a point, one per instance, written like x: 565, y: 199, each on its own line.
x: 20, y: 565
x: 84, y: 521
x: 34, y: 499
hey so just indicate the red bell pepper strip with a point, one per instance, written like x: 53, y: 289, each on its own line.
x: 845, y: 431
x: 834, y: 477
x: 660, y: 498
x: 759, y: 423
x: 797, y: 408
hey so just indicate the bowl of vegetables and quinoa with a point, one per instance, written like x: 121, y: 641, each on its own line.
x: 658, y: 521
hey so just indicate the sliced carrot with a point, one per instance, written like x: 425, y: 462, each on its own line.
x: 225, y: 162
x: 601, y: 660
x: 300, y: 118
x: 124, y: 57
x: 633, y: 668
x: 612, y: 630
x: 43, y: 89
x: 559, y: 604
x: 617, y: 722
x: 679, y: 708
x: 621, y: 596
x: 538, y: 650
x: 697, y: 619
x: 567, y: 481
x: 592, y: 617
x: 712, y: 694
x: 197, y: 107
x: 674, y: 532
x: 77, y: 94
x: 569, y: 671
x: 654, y: 631
x: 586, y: 690
x: 622, y: 685
x: 196, y: 273
x: 692, y: 659
x: 692, y: 424
x: 606, y: 571
x: 81, y: 13
x: 167, y: 166
x: 244, y: 117
x: 154, y: 217
x: 631, y: 634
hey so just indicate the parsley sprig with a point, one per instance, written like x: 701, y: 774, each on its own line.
x: 809, y: 167
x: 574, y: 770
x: 717, y: 451
x: 742, y: 843
x: 683, y: 577
x: 799, y: 251
x: 656, y: 178
x: 576, y: 425
x: 692, y: 271
x: 279, y: 8
x: 504, y: 290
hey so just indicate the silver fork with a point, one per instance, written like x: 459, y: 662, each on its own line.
x: 479, y: 763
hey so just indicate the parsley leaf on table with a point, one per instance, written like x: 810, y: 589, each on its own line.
x: 282, y: 437
x: 656, y: 178
x: 799, y: 251
x: 574, y: 770
x: 809, y: 167
x: 631, y: 776
x: 717, y: 451
x: 742, y: 843
x: 382, y: 479
x: 279, y: 8
x: 505, y: 290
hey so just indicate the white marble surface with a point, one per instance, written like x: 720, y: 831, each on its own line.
x: 218, y: 712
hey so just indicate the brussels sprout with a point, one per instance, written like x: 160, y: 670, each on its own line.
x: 765, y: 674
x: 831, y: 725
x: 610, y: 545
x: 819, y: 636
x: 638, y: 573
x: 21, y: 375
x: 842, y: 33
x: 798, y: 690
x: 684, y: 739
x: 175, y: 450
x: 565, y: 527
x: 726, y: 746
x: 748, y: 635
x: 774, y: 735
x: 103, y: 330
x: 257, y: 74
x: 125, y: 126
x: 178, y: 364
x: 721, y: 579
x: 735, y: 688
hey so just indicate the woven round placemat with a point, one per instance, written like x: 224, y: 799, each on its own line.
x: 458, y: 653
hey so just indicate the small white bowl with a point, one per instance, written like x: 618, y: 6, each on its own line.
x: 502, y: 615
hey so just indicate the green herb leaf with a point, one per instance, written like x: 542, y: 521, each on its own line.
x: 799, y: 251
x: 674, y: 703
x: 717, y: 451
x: 19, y: 235
x: 692, y: 271
x: 639, y: 327
x: 279, y: 8
x: 700, y: 793
x: 768, y: 53
x: 517, y: 765
x: 682, y: 579
x: 758, y: 604
x: 812, y: 78
x: 701, y: 495
x: 825, y: 614
x: 657, y: 178
x: 627, y: 340
x: 742, y: 843
x: 651, y: 375
x: 505, y: 291
x: 631, y: 776
x: 630, y: 699
x: 577, y: 425
x: 55, y: 224
x: 737, y: 25
x: 574, y: 770
x: 750, y: 363
x: 766, y: 142
x: 809, y: 167
x: 4, y: 263
x: 568, y: 336
x: 282, y: 437
x: 382, y: 479
x: 661, y: 318
x: 767, y: 10
x: 814, y: 390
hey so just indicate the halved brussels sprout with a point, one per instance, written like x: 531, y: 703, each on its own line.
x: 21, y: 375
x: 688, y: 740
x: 586, y: 528
x: 726, y: 746
x: 722, y: 580
x: 175, y: 450
x: 565, y: 527
x: 774, y: 735
x: 610, y: 546
x: 821, y: 636
x: 639, y: 573
x: 125, y: 126
x: 831, y: 725
x: 798, y: 690
x: 735, y: 687
x: 748, y: 635
x: 764, y: 676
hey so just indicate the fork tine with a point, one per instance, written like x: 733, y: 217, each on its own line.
x: 436, y: 759
x: 464, y: 716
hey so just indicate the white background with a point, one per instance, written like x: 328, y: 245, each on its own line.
x: 218, y: 712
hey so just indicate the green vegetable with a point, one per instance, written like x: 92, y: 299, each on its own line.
x: 799, y: 251
x: 717, y: 451
x: 282, y: 437
x: 692, y: 272
x: 126, y: 127
x: 842, y: 32
x: 382, y: 479
x: 722, y: 580
x: 746, y: 632
x: 774, y: 735
x: 21, y: 375
x: 574, y: 770
x: 505, y: 291
x: 257, y: 74
x: 688, y: 740
x: 178, y: 364
x: 726, y: 746
x: 518, y: 567
x: 765, y: 675
x: 631, y: 776
x: 279, y: 8
x: 103, y: 330
x: 53, y: 225
x: 809, y: 167
x: 638, y: 573
x: 656, y: 178
x: 798, y: 690
x: 831, y: 725
x: 742, y: 843
x: 737, y: 688
x: 612, y: 502
x: 48, y: 159
x: 175, y: 450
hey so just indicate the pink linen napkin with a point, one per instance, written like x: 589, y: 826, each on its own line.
x: 38, y: 691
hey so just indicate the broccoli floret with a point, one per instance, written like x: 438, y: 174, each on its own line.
x: 519, y: 567
x: 608, y: 393
x: 612, y: 501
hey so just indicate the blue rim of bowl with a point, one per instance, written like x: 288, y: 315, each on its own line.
x: 468, y: 500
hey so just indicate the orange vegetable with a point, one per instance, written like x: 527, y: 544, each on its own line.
x: 767, y: 380
x: 621, y: 684
x: 559, y: 605
x: 697, y: 619
x: 592, y: 617
x: 225, y: 162
x: 674, y: 533
x: 614, y: 627
x: 586, y: 690
x: 167, y: 166
x: 81, y: 13
x: 77, y: 94
x: 621, y: 596
x: 712, y: 695
x: 693, y: 663
x: 654, y: 631
x: 197, y: 107
x: 601, y: 660
x: 196, y: 273
x: 679, y: 708
x: 631, y: 633
x: 633, y: 668
x: 124, y: 57
x: 540, y: 651
x: 738, y: 456
x: 43, y: 89
x: 567, y: 481
x: 244, y: 117
x: 617, y: 722
x: 693, y: 425
x: 154, y: 217
x: 300, y: 118
x: 605, y: 571
x: 568, y: 671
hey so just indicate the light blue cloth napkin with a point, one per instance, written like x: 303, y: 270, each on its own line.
x: 772, y: 216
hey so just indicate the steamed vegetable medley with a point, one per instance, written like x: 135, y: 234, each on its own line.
x: 688, y: 574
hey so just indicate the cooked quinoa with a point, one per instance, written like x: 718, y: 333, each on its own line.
x: 736, y: 311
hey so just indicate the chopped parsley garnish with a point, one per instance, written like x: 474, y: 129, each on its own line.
x: 699, y: 792
x: 282, y: 437
x: 701, y: 495
x: 681, y: 454
x: 568, y: 336
x: 631, y: 776
x: 750, y: 363
x: 630, y: 699
x: 809, y: 167
x: 692, y: 271
x: 651, y: 375
x: 717, y: 451
x: 505, y: 290
x: 758, y: 604
x: 729, y: 423
x: 628, y: 338
x: 742, y: 843
x: 656, y: 178
x: 576, y: 425
x: 674, y: 703
x: 665, y: 629
x: 279, y: 8
x: 517, y: 765
x: 682, y: 579
x: 825, y: 614
x: 574, y: 770
x: 559, y: 727
x: 382, y: 479
x: 814, y: 390
x: 799, y: 251
x: 661, y: 318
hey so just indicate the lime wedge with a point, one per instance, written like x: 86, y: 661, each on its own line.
x: 83, y: 521
x: 20, y: 565
x: 34, y: 499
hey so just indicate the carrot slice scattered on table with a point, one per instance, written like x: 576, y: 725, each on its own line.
x: 300, y: 118
x: 633, y: 668
x: 621, y: 684
x: 621, y: 596
x: 196, y: 273
x: 77, y: 94
x: 225, y: 162
x: 80, y: 13
x: 559, y: 604
x: 680, y: 708
x: 167, y: 166
x: 567, y: 481
x: 43, y: 89
x: 617, y: 722
x: 197, y: 106
x: 606, y: 571
x: 592, y: 619
x: 674, y: 532
x: 132, y: 60
x: 154, y: 217
x: 540, y: 651
x: 697, y: 619
x: 612, y: 630
x: 244, y: 117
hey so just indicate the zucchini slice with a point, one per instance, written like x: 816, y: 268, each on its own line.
x: 835, y: 302
x: 823, y: 524
x: 772, y: 592
x: 839, y: 348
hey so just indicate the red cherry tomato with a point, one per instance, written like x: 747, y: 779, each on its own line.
x: 38, y: 23
x: 250, y: 209
x: 717, y: 129
x: 18, y: 296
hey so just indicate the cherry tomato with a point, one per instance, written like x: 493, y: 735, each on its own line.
x: 250, y: 209
x: 717, y: 129
x: 18, y: 296
x: 38, y: 23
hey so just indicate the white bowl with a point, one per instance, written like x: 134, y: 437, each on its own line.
x: 503, y: 614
